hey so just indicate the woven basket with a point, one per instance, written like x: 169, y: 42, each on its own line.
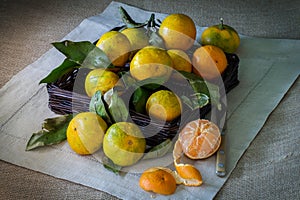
x: 63, y: 100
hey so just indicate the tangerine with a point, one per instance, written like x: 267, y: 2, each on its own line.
x: 138, y: 39
x: 124, y: 143
x: 163, y: 105
x: 181, y: 61
x: 151, y: 62
x: 178, y: 31
x: 100, y: 79
x: 116, y: 46
x: 222, y: 36
x: 85, y: 133
x: 209, y: 62
x: 159, y: 180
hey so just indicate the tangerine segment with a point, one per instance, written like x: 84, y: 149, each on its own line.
x: 159, y: 180
x: 200, y: 139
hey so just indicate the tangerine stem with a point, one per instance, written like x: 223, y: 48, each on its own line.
x: 221, y: 26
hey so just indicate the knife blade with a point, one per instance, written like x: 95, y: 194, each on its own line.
x: 221, y: 154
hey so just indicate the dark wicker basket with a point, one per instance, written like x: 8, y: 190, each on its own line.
x: 63, y: 100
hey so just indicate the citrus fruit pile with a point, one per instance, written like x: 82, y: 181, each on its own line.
x: 144, y: 57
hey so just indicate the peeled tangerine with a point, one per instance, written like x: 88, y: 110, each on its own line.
x: 200, y: 139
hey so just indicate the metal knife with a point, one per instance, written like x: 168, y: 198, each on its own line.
x: 221, y: 154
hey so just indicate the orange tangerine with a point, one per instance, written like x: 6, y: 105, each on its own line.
x: 159, y: 180
x: 189, y: 174
x: 209, y: 61
x: 178, y: 31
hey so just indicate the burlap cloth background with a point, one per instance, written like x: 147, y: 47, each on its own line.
x: 270, y: 167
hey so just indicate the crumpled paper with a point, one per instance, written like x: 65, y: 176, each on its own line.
x: 266, y: 72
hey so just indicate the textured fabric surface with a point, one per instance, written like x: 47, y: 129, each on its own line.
x: 270, y: 167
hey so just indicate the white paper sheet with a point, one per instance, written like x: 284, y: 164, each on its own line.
x: 268, y: 67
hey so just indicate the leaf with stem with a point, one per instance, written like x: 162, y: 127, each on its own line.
x: 79, y: 54
x: 53, y: 132
x: 130, y: 23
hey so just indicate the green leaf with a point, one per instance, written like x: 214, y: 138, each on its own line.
x: 159, y: 150
x: 127, y: 79
x: 79, y: 54
x: 139, y: 99
x: 215, y: 97
x: 130, y: 23
x: 116, y: 106
x: 83, y: 53
x: 151, y: 83
x: 96, y: 58
x: 108, y: 164
x: 196, y: 101
x: 200, y: 86
x: 53, y: 132
x: 97, y: 105
x: 75, y: 51
x: 55, y: 74
x: 156, y: 40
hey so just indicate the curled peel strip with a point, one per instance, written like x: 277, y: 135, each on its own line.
x: 185, y: 174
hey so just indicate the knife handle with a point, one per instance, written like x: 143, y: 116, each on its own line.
x: 221, y: 159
